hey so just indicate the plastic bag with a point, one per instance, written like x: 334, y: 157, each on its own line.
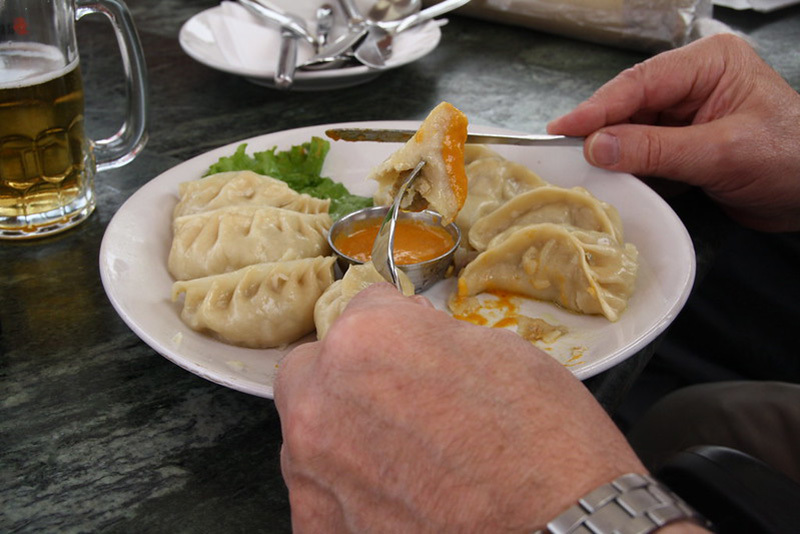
x: 650, y: 25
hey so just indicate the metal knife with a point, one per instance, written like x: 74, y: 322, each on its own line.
x: 401, y: 136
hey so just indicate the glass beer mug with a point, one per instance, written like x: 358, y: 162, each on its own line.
x: 47, y: 163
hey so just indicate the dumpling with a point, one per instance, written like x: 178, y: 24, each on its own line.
x: 227, y: 239
x: 581, y: 270
x: 260, y: 306
x: 335, y: 299
x: 442, y: 184
x: 476, y: 152
x: 243, y: 188
x: 575, y: 207
x: 492, y: 181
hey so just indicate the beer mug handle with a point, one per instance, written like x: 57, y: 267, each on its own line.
x: 123, y: 146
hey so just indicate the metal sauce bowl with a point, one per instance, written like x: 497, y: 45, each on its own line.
x: 423, y: 274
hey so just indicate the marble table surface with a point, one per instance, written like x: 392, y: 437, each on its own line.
x: 98, y: 433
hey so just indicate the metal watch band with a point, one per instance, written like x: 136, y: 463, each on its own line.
x: 631, y: 504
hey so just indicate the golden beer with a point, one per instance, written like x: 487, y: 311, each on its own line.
x: 46, y: 171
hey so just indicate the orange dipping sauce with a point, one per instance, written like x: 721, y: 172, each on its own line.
x: 414, y: 241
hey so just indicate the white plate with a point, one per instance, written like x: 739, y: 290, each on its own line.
x: 133, y: 260
x: 229, y: 39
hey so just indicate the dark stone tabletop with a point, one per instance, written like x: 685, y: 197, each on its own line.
x: 98, y: 432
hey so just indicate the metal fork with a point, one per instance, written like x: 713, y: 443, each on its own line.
x: 383, y: 247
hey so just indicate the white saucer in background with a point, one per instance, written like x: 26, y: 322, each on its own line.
x: 230, y: 39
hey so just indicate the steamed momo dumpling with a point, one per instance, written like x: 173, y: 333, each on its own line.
x: 260, y: 306
x: 243, y: 188
x: 574, y: 207
x: 492, y: 181
x: 581, y: 270
x: 358, y: 277
x: 442, y: 183
x: 227, y: 239
x: 475, y: 152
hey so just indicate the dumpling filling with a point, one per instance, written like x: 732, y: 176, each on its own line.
x: 442, y: 185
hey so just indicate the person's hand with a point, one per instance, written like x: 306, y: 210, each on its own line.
x: 711, y: 114
x: 404, y: 419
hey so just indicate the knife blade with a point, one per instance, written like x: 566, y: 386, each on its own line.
x: 384, y: 135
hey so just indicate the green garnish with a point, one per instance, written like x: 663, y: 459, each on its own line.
x: 301, y: 168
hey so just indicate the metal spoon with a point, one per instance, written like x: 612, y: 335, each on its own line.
x: 375, y: 49
x: 383, y: 247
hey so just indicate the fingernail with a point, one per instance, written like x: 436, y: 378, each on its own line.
x: 552, y: 124
x: 604, y: 150
x: 556, y: 124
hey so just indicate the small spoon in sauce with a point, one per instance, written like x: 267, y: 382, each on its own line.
x: 415, y: 240
x: 383, y: 248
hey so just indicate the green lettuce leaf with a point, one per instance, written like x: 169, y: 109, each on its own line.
x: 301, y: 168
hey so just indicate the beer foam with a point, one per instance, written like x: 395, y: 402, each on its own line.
x: 27, y: 64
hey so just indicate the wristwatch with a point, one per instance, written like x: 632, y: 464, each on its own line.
x: 631, y: 504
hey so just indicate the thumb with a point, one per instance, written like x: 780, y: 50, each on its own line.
x: 677, y: 153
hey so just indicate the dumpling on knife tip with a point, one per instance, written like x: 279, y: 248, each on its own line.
x: 442, y: 184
